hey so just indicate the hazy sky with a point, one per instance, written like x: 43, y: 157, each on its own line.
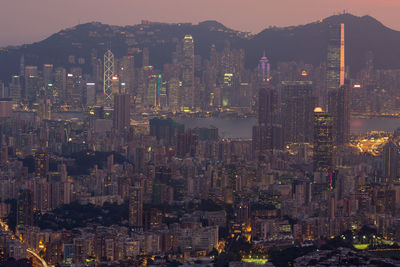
x: 26, y: 21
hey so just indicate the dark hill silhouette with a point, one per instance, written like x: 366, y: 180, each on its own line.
x: 305, y: 42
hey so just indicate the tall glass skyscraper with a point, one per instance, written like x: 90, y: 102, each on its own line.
x: 338, y: 92
x: 335, y: 67
x: 188, y: 72
x: 323, y: 143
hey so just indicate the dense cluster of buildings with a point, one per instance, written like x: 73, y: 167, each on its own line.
x: 73, y: 137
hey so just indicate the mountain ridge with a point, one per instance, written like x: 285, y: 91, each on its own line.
x: 305, y: 43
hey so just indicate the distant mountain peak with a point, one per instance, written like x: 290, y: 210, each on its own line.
x: 212, y: 24
x: 350, y: 18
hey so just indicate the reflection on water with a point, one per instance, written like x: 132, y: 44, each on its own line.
x: 227, y: 127
x: 358, y: 126
x: 242, y: 127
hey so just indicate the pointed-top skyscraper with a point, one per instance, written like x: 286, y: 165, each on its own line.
x: 264, y: 69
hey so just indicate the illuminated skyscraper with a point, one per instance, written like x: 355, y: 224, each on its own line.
x: 70, y: 84
x: 335, y: 67
x: 90, y: 94
x: 108, y: 74
x: 41, y: 163
x: 338, y: 92
x: 127, y: 73
x: 47, y: 73
x: 31, y: 83
x: 264, y: 69
x: 188, y: 71
x: 173, y: 93
x: 227, y: 90
x: 75, y: 97
x: 323, y: 143
x: 15, y: 88
x: 59, y: 87
x: 154, y: 88
x: 115, y: 85
x: 136, y: 208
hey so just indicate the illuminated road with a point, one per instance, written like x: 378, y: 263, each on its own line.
x: 4, y: 226
x: 37, y: 256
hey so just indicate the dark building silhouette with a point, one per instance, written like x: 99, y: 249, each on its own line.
x: 339, y: 109
x: 166, y: 130
x: 267, y: 134
x: 25, y: 207
x: 122, y: 107
x: 298, y: 111
x: 390, y: 161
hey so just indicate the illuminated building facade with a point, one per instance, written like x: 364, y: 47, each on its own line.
x: 75, y: 97
x: 90, y: 94
x: 264, y: 69
x: 154, y: 90
x: 108, y: 74
x: 115, y: 85
x: 15, y: 89
x: 41, y: 163
x: 338, y: 90
x: 335, y: 68
x: 31, y: 83
x: 323, y: 143
x: 70, y: 84
x: 127, y: 73
x: 227, y: 90
x: 188, y: 72
x: 48, y: 77
x: 173, y: 93
x: 136, y: 208
x: 59, y: 87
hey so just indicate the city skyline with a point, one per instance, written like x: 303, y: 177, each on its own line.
x: 263, y: 14
x: 177, y: 144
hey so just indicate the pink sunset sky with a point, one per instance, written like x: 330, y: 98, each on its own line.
x: 26, y: 21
